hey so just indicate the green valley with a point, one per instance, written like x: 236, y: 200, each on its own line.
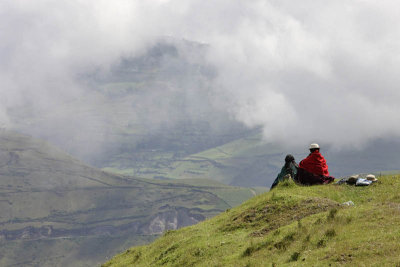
x: 246, y: 161
x: 58, y: 211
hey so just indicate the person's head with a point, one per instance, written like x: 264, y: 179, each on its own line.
x: 289, y: 158
x: 314, y: 147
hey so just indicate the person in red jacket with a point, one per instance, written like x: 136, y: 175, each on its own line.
x: 315, y: 162
x: 313, y: 169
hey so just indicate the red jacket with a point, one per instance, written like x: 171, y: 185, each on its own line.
x: 315, y: 163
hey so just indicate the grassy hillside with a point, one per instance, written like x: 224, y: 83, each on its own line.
x: 292, y: 225
x: 246, y: 161
x: 57, y: 211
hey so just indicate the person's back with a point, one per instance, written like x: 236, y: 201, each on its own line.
x: 290, y: 168
x: 315, y: 163
x: 313, y: 169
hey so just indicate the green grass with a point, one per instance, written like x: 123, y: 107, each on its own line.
x: 292, y: 225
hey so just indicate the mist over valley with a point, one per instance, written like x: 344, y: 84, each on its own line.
x: 120, y: 121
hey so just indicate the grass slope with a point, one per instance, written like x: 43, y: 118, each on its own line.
x: 56, y: 211
x: 246, y: 161
x: 292, y: 225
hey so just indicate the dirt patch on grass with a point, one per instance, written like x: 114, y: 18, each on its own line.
x: 276, y: 213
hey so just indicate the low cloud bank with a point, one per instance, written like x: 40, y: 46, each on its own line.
x: 308, y: 71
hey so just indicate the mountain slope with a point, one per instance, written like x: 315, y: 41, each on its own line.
x: 246, y: 161
x: 154, y: 105
x: 292, y: 225
x: 155, y: 116
x: 57, y: 211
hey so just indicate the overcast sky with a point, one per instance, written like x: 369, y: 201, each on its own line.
x: 324, y: 71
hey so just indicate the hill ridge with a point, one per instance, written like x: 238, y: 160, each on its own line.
x: 292, y: 225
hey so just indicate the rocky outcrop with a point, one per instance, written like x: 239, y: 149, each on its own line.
x: 171, y: 220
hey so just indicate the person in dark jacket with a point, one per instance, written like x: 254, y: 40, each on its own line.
x: 313, y: 169
x: 290, y: 168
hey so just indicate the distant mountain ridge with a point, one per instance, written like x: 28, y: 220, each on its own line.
x: 54, y: 209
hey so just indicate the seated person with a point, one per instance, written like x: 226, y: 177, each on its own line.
x: 313, y: 169
x: 290, y: 168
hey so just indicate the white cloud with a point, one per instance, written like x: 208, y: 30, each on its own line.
x: 304, y: 70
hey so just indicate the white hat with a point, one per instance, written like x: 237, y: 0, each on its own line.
x: 314, y: 145
x: 371, y: 177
